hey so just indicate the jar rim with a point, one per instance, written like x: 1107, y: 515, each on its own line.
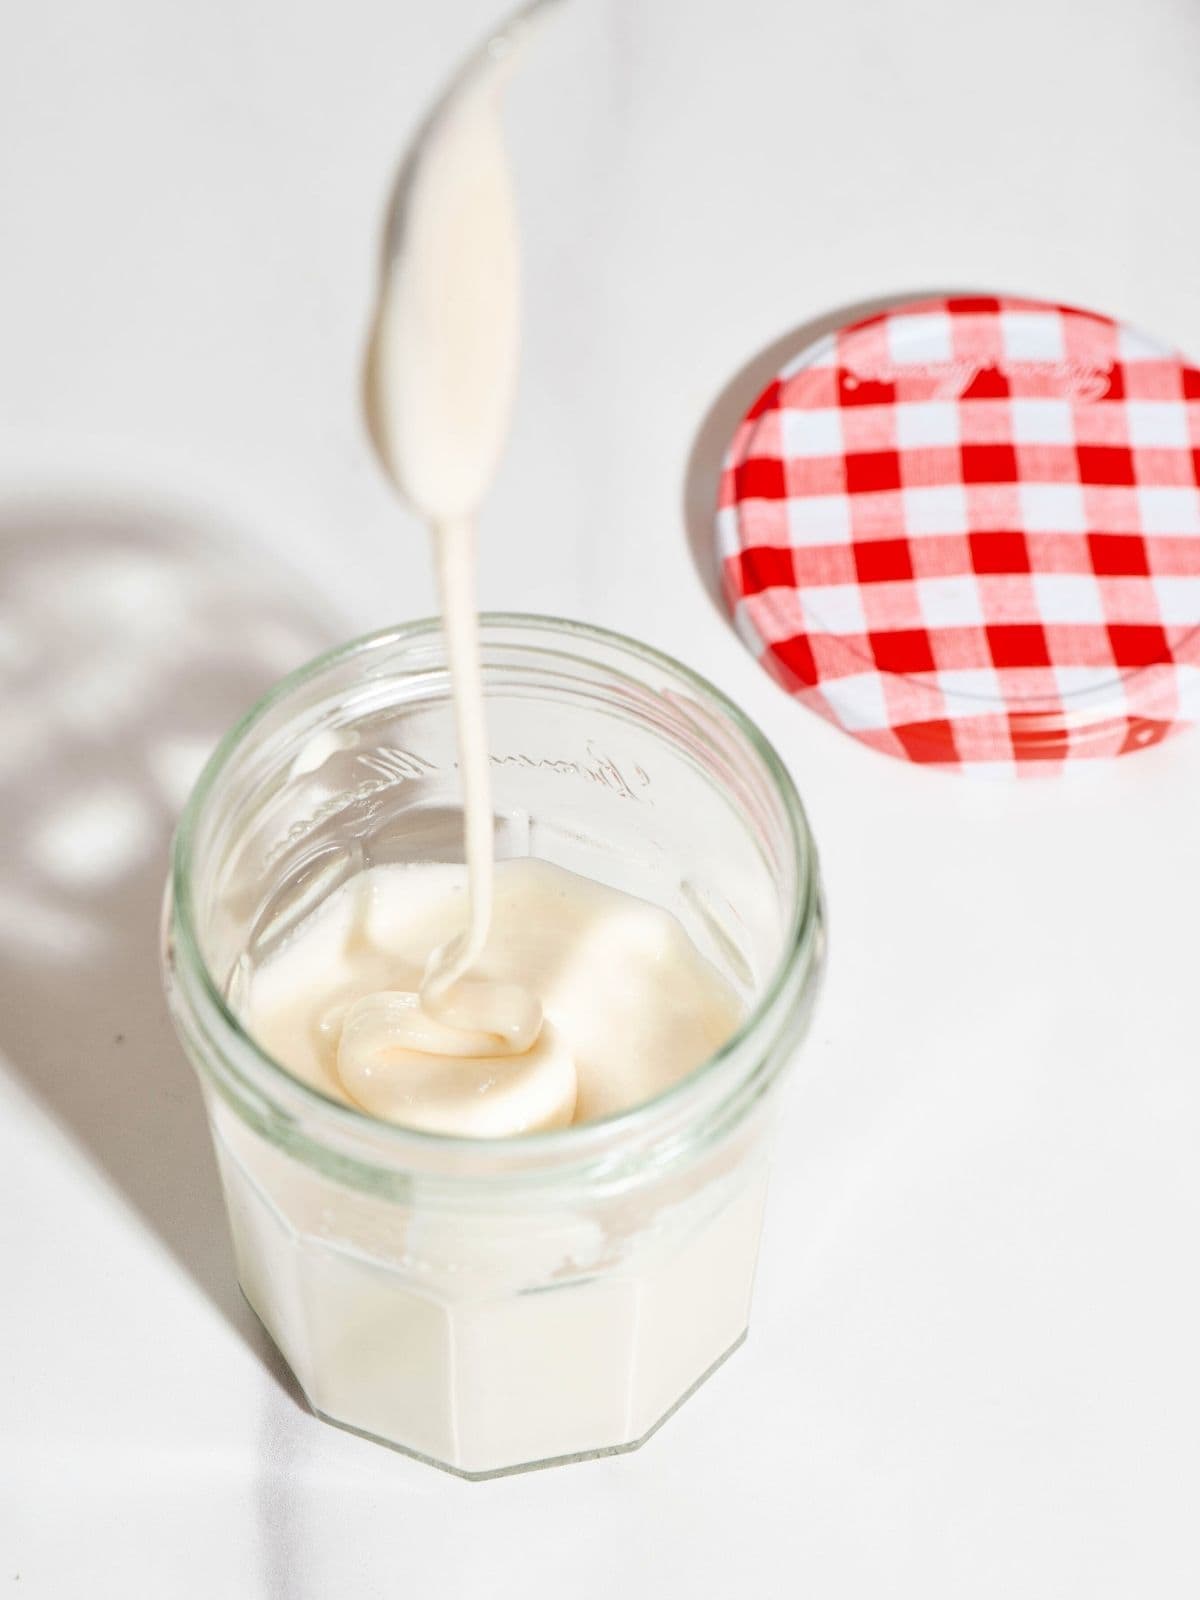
x: 392, y: 1139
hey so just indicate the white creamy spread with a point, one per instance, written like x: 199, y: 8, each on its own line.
x: 503, y: 1000
x: 630, y: 1005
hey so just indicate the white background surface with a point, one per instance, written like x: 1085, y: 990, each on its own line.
x: 972, y: 1369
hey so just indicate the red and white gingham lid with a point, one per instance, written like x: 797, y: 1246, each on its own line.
x: 968, y: 532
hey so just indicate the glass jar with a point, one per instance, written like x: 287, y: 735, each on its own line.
x: 491, y: 1304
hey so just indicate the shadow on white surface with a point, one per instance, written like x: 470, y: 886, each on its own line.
x: 703, y: 473
x: 130, y: 639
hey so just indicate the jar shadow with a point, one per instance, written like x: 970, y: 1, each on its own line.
x: 130, y: 638
x: 702, y: 475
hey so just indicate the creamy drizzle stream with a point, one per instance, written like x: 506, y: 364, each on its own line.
x: 441, y: 374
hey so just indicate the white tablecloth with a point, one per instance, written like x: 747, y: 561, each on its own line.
x: 972, y: 1369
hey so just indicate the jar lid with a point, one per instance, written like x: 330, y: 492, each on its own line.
x: 967, y: 531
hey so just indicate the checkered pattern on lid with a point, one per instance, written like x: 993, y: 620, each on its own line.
x: 968, y: 532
